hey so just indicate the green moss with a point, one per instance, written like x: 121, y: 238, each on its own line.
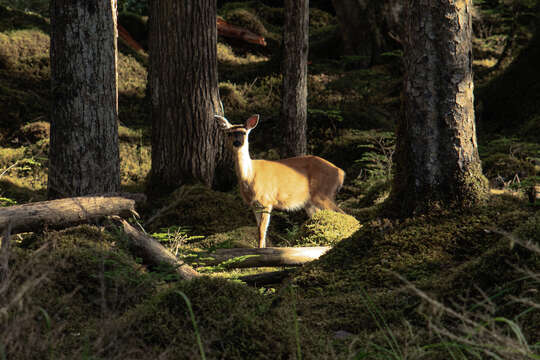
x: 529, y: 229
x: 246, y: 19
x: 16, y: 20
x: 26, y: 51
x: 232, y: 98
x: 35, y: 131
x: 226, y: 55
x: 242, y: 237
x: 63, y: 283
x: 234, y: 322
x: 131, y: 76
x: 135, y: 162
x: 319, y: 19
x: 327, y: 228
x: 205, y: 211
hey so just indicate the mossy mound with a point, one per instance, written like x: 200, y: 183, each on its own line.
x: 26, y: 51
x: 61, y: 283
x: 18, y: 20
x: 233, y: 321
x: 24, y: 79
x: 246, y: 19
x: 243, y: 237
x: 327, y: 228
x: 35, y: 131
x: 357, y: 285
x: 529, y: 230
x: 205, y: 211
x: 232, y: 98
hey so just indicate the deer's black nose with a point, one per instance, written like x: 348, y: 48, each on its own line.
x: 237, y: 143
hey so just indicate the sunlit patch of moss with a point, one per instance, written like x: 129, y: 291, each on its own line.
x: 327, y: 228
x: 226, y: 55
x: 242, y: 237
x: 26, y: 51
x: 131, y: 76
x: 8, y: 156
x: 135, y: 162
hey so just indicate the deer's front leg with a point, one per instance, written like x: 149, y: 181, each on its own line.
x: 262, y: 215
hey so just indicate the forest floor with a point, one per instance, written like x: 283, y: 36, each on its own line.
x: 447, y: 285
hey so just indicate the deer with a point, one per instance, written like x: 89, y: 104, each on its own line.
x: 304, y: 182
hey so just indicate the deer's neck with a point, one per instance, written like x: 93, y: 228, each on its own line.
x: 244, y: 165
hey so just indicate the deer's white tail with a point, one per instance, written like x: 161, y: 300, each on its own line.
x: 307, y: 182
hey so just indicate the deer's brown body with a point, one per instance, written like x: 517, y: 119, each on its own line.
x: 307, y: 182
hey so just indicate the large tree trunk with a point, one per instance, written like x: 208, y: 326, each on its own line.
x: 436, y: 154
x: 186, y: 142
x: 294, y: 94
x: 84, y: 155
x: 365, y: 26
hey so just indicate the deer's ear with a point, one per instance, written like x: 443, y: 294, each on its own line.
x: 223, y: 123
x: 252, y: 122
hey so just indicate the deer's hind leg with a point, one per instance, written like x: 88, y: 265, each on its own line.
x: 324, y: 203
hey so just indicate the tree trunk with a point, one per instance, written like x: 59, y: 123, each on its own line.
x: 183, y: 80
x: 436, y: 158
x: 294, y: 94
x: 84, y: 155
x: 365, y: 26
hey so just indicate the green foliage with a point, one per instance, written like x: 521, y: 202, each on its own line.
x: 14, y: 16
x: 529, y: 230
x: 139, y: 7
x: 247, y: 20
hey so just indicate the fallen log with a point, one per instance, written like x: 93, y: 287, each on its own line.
x: 62, y: 213
x: 266, y: 278
x: 153, y: 253
x: 228, y: 30
x: 270, y: 256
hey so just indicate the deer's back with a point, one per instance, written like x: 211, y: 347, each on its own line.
x: 289, y: 183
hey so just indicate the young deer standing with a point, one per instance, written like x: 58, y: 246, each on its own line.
x: 308, y: 182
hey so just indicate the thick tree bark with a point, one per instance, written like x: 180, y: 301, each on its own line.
x: 365, y: 26
x: 63, y: 212
x: 277, y: 256
x: 436, y: 158
x: 84, y: 155
x: 294, y: 93
x: 186, y: 143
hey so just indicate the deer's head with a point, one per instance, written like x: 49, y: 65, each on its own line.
x: 237, y: 135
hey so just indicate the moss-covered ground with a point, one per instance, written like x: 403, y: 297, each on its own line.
x: 447, y: 285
